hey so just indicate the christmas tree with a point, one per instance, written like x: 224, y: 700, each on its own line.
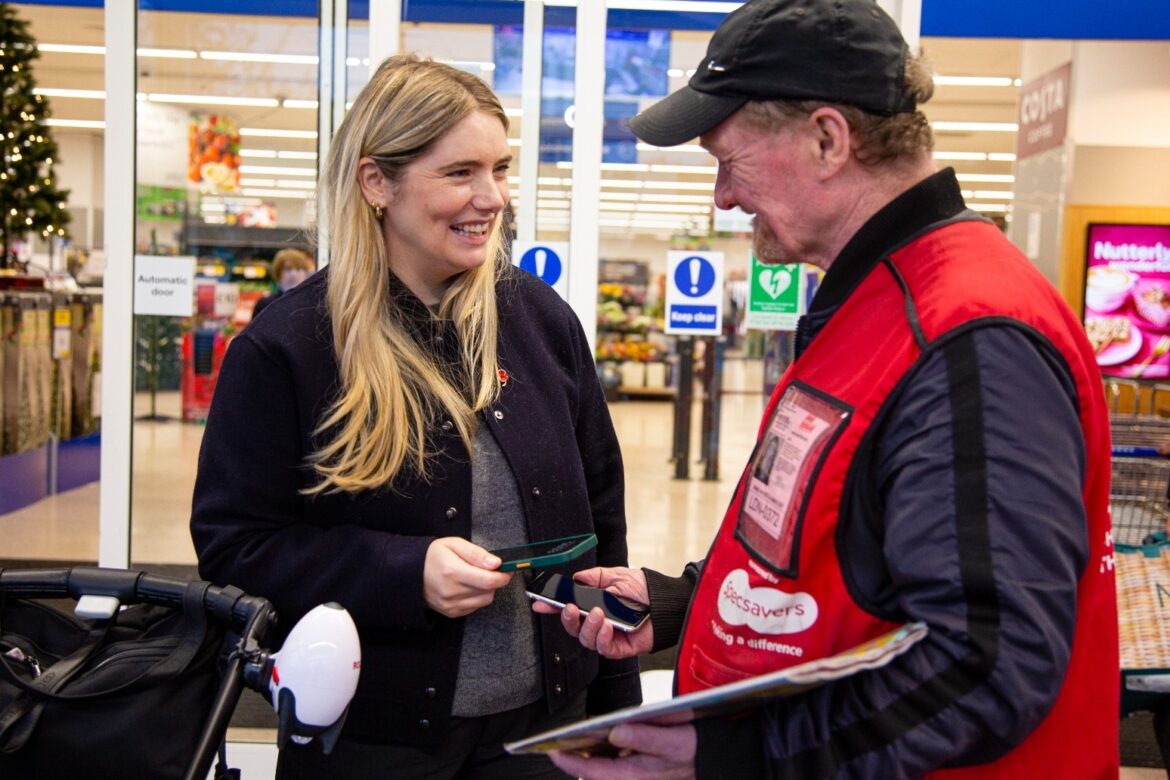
x: 30, y: 200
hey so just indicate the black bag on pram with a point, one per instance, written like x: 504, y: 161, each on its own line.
x: 140, y: 694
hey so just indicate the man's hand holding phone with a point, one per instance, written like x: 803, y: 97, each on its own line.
x: 592, y: 629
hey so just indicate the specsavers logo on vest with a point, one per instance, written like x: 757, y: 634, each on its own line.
x: 764, y: 610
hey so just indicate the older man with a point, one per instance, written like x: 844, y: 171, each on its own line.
x: 944, y: 456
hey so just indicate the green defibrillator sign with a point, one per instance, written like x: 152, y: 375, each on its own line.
x: 776, y: 296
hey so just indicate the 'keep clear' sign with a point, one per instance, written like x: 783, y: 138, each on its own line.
x: 164, y: 285
x: 694, y: 293
x: 547, y: 260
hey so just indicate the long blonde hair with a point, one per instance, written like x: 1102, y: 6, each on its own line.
x: 391, y: 390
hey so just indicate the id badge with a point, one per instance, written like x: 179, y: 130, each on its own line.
x: 802, y: 426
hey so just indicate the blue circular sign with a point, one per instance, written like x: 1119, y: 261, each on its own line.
x: 542, y: 262
x: 694, y: 277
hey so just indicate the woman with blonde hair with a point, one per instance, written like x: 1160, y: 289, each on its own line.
x: 413, y: 406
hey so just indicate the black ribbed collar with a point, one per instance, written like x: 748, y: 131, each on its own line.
x: 933, y: 200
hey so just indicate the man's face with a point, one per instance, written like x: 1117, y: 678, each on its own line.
x: 768, y: 175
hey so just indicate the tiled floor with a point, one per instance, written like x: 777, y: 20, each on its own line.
x: 671, y: 521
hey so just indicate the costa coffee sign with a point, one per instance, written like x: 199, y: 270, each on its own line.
x: 1043, y: 112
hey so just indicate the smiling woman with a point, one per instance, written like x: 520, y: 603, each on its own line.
x: 372, y: 438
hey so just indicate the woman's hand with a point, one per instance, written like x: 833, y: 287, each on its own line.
x: 459, y: 577
x: 594, y: 632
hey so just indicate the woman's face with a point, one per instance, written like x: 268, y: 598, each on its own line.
x: 443, y: 210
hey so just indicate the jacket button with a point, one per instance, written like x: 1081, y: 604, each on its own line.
x: 499, y: 415
x: 452, y: 513
x: 557, y: 689
x: 447, y: 425
x: 424, y: 724
x: 429, y: 693
x: 536, y: 492
x: 556, y: 658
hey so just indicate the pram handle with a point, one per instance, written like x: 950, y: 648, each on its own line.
x: 228, y: 604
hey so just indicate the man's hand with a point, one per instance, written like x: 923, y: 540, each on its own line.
x: 593, y: 632
x: 459, y: 577
x: 649, y: 752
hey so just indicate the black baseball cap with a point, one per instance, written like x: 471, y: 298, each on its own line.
x: 839, y: 51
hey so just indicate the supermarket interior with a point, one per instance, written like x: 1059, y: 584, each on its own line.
x: 180, y: 141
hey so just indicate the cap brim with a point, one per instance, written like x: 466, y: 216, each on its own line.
x: 683, y: 115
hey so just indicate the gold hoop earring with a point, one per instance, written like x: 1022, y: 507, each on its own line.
x: 377, y: 210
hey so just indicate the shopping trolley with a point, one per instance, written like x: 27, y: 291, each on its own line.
x: 240, y: 619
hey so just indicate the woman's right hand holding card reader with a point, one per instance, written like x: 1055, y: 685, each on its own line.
x: 604, y: 607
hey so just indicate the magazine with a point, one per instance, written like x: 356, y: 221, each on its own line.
x: 590, y: 736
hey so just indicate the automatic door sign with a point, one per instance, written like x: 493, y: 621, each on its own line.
x: 546, y: 260
x: 694, y: 292
x: 776, y: 295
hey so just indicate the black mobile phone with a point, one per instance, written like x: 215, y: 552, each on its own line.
x: 550, y: 552
x: 559, y: 590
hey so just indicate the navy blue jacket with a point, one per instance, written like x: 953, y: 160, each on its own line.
x: 254, y: 529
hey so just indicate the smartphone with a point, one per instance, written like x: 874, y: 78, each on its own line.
x: 547, y: 553
x: 559, y: 590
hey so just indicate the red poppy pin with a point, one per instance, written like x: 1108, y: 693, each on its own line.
x: 503, y: 375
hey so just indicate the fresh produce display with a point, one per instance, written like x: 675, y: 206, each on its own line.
x: 638, y: 351
x: 213, y: 153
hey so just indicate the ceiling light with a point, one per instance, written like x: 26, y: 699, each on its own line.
x: 271, y: 153
x: 278, y: 170
x: 1002, y: 156
x: 296, y: 185
x: 514, y: 112
x: 213, y: 100
x: 169, y: 54
x: 69, y: 48
x: 291, y: 103
x: 291, y: 155
x: 84, y: 94
x: 1002, y: 178
x: 706, y: 170
x: 248, y: 181
x: 974, y: 81
x: 960, y: 155
x: 704, y: 186
x: 985, y: 127
x: 247, y: 56
x: 95, y: 124
x: 268, y: 132
x: 999, y: 208
x: 354, y: 62
x: 988, y: 194
x: 267, y: 193
x: 644, y: 147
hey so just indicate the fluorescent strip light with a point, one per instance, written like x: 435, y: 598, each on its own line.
x: 296, y: 185
x: 354, y: 62
x: 998, y: 208
x: 94, y: 124
x: 278, y: 170
x: 70, y: 48
x: 269, y: 153
x: 168, y: 54
x: 1001, y: 178
x: 213, y: 100
x: 631, y: 167
x: 552, y: 204
x: 265, y: 193
x: 248, y: 181
x: 247, y: 56
x: 514, y: 142
x: 960, y: 156
x: 291, y: 103
x: 267, y: 132
x: 974, y: 81
x: 985, y: 127
x: 644, y: 147
x: 290, y: 155
x: 989, y: 194
x: 704, y: 186
x: 484, y: 66
x: 83, y: 94
x: 694, y: 170
x: 515, y: 113
x: 1002, y: 156
x: 686, y: 6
